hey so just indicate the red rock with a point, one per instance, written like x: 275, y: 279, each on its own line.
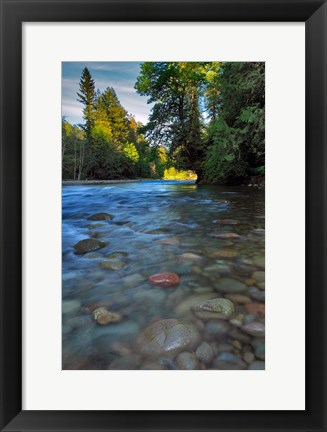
x: 164, y: 279
x: 255, y: 309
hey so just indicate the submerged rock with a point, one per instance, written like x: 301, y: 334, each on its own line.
x: 167, y: 338
x: 228, y: 222
x: 257, y: 365
x: 103, y: 317
x: 223, y: 254
x: 228, y: 361
x: 238, y: 298
x: 93, y: 255
x: 184, y: 308
x: 229, y: 285
x: 188, y: 361
x: 100, y: 216
x: 165, y: 279
x: 225, y: 235
x: 218, y: 329
x: 88, y: 245
x: 205, y: 353
x: 254, y: 328
x: 70, y: 306
x: 255, y: 309
x: 259, y: 276
x: 218, y: 308
x: 169, y: 241
x: 112, y: 265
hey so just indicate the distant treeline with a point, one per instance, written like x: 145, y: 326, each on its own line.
x: 208, y: 118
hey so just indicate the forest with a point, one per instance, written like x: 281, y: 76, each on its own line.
x: 207, y: 123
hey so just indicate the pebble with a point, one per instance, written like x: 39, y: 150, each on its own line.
x: 260, y: 261
x: 133, y: 280
x: 70, y: 306
x: 229, y: 285
x: 187, y: 361
x: 167, y: 337
x: 248, y: 357
x: 255, y: 309
x: 259, y: 276
x: 205, y: 353
x: 217, y: 329
x: 256, y: 294
x: 259, y: 231
x: 169, y: 241
x: 230, y: 235
x: 259, y: 348
x: 188, y: 256
x: 228, y: 222
x: 103, y: 317
x: 112, y: 265
x: 238, y: 298
x: 100, y: 216
x: 249, y: 282
x: 165, y: 279
x: 228, y: 361
x: 257, y: 365
x: 235, y: 333
x: 254, y: 328
x: 117, y: 255
x: 93, y: 255
x: 217, y: 308
x: 88, y: 245
x: 223, y: 254
x: 261, y: 285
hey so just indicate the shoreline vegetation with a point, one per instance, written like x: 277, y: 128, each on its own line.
x: 207, y: 124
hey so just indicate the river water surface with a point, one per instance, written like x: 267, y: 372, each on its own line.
x: 211, y: 237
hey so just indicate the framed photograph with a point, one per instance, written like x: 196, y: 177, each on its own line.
x: 163, y: 215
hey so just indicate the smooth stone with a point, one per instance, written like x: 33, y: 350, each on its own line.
x: 70, y: 306
x: 188, y: 256
x: 133, y: 280
x: 238, y: 298
x: 248, y: 357
x: 217, y: 308
x: 103, y: 317
x: 255, y: 309
x: 250, y: 282
x: 228, y: 285
x: 93, y: 255
x: 187, y: 361
x: 259, y: 348
x: 100, y: 216
x: 88, y: 245
x: 117, y: 255
x: 150, y: 296
x: 112, y: 265
x: 185, y: 307
x: 235, y: 333
x: 119, y: 331
x: 96, y: 225
x: 169, y: 241
x: 254, y: 328
x: 218, y: 329
x: 261, y: 285
x: 165, y: 279
x: 259, y: 231
x: 259, y: 262
x: 205, y: 353
x: 223, y: 254
x: 167, y: 337
x: 257, y: 365
x: 228, y: 361
x: 226, y: 235
x: 259, y: 276
x: 256, y: 294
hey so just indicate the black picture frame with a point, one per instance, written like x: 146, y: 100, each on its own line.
x: 13, y: 14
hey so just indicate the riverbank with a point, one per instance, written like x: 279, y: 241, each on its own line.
x: 95, y: 182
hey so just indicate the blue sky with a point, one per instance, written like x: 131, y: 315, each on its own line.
x: 119, y: 75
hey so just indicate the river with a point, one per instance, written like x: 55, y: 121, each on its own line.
x: 207, y: 313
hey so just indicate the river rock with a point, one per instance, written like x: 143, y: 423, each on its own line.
x: 169, y: 241
x: 112, y: 265
x: 255, y: 309
x: 259, y: 231
x: 238, y: 298
x: 248, y: 357
x: 133, y: 280
x: 249, y: 282
x: 256, y: 294
x: 257, y: 365
x: 260, y: 261
x: 205, y: 353
x: 103, y: 317
x: 223, y: 254
x: 261, y: 285
x: 229, y: 285
x: 70, y: 306
x: 259, y: 276
x: 188, y: 256
x: 259, y: 348
x: 228, y: 222
x: 117, y: 255
x: 254, y: 328
x: 217, y: 329
x: 168, y: 338
x: 100, y: 216
x: 217, y: 308
x: 227, y: 236
x: 88, y: 245
x: 184, y: 308
x: 228, y: 361
x: 165, y: 279
x: 187, y: 361
x: 130, y: 362
x: 93, y: 255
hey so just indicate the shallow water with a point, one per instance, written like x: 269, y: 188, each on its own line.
x: 146, y: 216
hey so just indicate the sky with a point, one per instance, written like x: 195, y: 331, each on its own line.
x: 119, y: 75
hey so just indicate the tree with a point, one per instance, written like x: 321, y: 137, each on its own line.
x: 87, y: 97
x: 175, y: 121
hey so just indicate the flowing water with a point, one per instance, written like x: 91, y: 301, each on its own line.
x: 157, y: 227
